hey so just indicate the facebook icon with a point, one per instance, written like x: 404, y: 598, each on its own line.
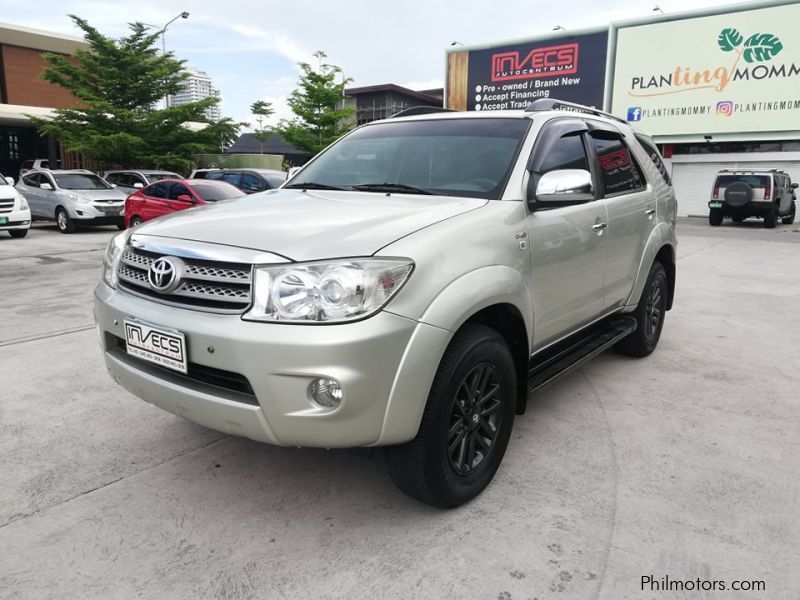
x: 634, y: 114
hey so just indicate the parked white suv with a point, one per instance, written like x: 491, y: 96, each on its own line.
x: 15, y: 216
x: 406, y: 289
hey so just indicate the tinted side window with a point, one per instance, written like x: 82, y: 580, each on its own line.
x: 618, y: 172
x: 567, y: 153
x: 31, y: 180
x: 157, y: 190
x: 214, y: 175
x: 177, y: 189
x: 253, y: 183
x: 233, y: 178
x: 114, y: 178
x: 655, y: 156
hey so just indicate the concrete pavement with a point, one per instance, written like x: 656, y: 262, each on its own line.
x: 682, y: 464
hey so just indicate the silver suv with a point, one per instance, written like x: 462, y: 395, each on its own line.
x: 769, y: 195
x: 73, y: 198
x: 406, y: 289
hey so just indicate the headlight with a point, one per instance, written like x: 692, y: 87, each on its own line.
x: 331, y: 291
x: 23, y: 204
x: 77, y: 198
x: 112, y: 257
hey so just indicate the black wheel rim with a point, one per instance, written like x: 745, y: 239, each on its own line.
x: 653, y: 311
x: 475, y: 416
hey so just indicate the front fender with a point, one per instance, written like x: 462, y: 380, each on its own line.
x: 449, y: 310
x: 476, y: 290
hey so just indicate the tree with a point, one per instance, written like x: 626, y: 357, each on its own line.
x: 116, y: 121
x: 262, y: 110
x: 318, y: 103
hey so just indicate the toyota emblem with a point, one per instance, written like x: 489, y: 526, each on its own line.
x: 163, y: 275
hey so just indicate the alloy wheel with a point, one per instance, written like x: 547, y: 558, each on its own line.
x: 475, y: 416
x: 653, y: 311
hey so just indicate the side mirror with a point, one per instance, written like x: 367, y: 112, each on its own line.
x: 185, y: 198
x: 10, y: 180
x: 138, y: 185
x: 564, y: 187
x: 46, y: 186
x: 794, y: 185
x: 113, y: 185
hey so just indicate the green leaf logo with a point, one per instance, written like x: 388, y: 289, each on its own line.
x: 729, y: 39
x: 760, y: 47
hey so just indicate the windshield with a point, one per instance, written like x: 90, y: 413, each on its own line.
x: 450, y: 157
x: 80, y: 181
x: 212, y: 192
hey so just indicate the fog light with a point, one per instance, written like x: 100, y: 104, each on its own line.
x: 326, y: 392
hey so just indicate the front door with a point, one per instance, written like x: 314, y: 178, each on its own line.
x: 567, y: 243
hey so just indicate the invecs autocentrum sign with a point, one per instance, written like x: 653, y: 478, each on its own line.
x: 731, y: 73
x: 538, y: 62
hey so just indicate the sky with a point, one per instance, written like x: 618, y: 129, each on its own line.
x: 251, y: 48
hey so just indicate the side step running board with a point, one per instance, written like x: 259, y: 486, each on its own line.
x: 577, y: 350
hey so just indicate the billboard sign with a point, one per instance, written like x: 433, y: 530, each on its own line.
x: 730, y: 73
x: 508, y: 77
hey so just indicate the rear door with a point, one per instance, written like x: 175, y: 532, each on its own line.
x: 49, y: 198
x: 30, y: 189
x: 631, y: 206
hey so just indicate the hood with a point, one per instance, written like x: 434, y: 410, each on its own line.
x: 311, y: 225
x: 112, y: 194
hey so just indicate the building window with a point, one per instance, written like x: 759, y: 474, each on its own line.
x: 9, y: 145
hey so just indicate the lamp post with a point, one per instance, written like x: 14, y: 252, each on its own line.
x: 182, y: 15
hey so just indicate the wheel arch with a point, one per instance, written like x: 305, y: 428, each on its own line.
x: 660, y: 246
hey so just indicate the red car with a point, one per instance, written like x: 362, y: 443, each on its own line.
x: 170, y: 195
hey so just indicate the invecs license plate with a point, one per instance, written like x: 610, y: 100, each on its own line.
x: 715, y: 205
x: 164, y: 347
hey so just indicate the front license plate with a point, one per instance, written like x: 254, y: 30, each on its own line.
x: 715, y: 205
x: 3, y: 220
x: 165, y: 347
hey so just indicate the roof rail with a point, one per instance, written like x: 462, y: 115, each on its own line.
x: 543, y: 104
x: 420, y: 110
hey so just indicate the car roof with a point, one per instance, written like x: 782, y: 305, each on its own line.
x: 201, y: 181
x: 64, y: 171
x: 143, y: 171
x: 252, y: 169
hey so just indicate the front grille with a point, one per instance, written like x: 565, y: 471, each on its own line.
x: 227, y: 380
x: 6, y: 206
x: 205, y: 284
x: 109, y: 209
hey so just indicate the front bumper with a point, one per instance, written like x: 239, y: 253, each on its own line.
x: 107, y: 214
x: 16, y: 219
x: 385, y: 364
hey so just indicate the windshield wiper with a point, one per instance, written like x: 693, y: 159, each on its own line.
x: 312, y: 185
x: 400, y: 188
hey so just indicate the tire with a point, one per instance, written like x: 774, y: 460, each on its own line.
x: 789, y: 219
x: 738, y: 219
x: 136, y: 220
x: 715, y: 217
x: 771, y: 218
x: 423, y: 468
x: 18, y: 233
x: 649, y: 315
x: 63, y: 221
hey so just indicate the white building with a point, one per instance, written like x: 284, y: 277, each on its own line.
x: 198, y: 87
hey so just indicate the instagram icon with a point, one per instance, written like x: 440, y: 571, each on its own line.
x: 724, y: 108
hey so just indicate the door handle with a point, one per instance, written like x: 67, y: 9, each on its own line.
x: 650, y: 212
x: 599, y: 226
